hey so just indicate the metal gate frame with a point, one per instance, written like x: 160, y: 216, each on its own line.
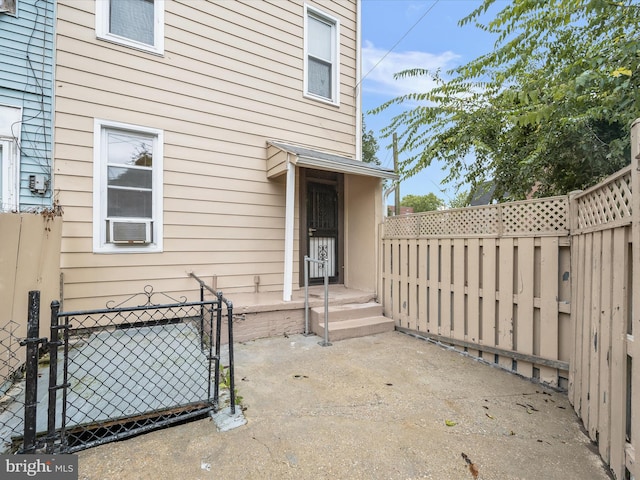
x: 73, y: 328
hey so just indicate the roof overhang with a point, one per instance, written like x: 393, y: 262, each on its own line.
x: 278, y: 154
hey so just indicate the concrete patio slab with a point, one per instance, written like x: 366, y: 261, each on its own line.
x: 388, y: 406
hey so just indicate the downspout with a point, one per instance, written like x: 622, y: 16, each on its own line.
x: 288, y: 231
x: 359, y: 81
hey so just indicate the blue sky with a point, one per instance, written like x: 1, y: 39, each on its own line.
x: 435, y: 42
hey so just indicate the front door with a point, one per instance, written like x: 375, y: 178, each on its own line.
x: 323, y: 220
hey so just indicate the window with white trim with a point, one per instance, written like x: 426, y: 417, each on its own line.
x: 135, y: 23
x: 321, y: 56
x: 10, y: 126
x: 127, y: 194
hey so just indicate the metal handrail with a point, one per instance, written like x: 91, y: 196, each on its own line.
x: 229, y: 304
x: 325, y: 266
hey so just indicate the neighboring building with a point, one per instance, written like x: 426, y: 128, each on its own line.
x: 483, y: 194
x: 219, y: 138
x: 26, y: 69
x: 29, y: 233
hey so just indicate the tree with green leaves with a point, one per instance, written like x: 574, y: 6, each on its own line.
x: 369, y: 146
x: 461, y: 200
x: 547, y: 111
x: 422, y: 203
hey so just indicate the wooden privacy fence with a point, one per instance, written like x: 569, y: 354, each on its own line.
x: 493, y: 280
x: 30, y: 260
x: 604, y: 378
x: 546, y: 288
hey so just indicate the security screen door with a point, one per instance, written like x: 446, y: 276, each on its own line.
x: 322, y: 229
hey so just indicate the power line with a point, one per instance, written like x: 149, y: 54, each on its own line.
x: 398, y: 42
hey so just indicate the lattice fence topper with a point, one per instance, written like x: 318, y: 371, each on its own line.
x: 543, y: 216
x: 546, y: 216
x: 607, y: 203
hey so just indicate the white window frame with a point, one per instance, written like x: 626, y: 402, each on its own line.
x: 335, y: 53
x: 100, y: 244
x: 102, y: 28
x: 10, y: 129
x: 10, y: 175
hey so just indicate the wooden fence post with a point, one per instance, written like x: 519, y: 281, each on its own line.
x: 633, y: 343
x: 575, y: 383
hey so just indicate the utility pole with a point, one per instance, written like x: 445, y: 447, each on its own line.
x: 395, y: 169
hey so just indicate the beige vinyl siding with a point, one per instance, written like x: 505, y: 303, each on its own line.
x: 230, y: 79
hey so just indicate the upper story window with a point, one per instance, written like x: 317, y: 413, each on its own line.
x: 321, y: 56
x: 135, y: 23
x: 127, y: 194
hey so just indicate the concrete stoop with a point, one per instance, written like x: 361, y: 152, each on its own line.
x: 351, y: 320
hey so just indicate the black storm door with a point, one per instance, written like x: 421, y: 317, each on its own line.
x: 322, y: 229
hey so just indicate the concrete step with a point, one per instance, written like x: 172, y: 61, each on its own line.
x: 349, y: 311
x: 357, y: 327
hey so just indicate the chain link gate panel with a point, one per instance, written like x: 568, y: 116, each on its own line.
x: 127, y: 370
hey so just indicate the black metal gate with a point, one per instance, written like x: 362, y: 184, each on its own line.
x: 123, y: 370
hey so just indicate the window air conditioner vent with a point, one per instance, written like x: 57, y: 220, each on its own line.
x: 8, y: 6
x: 128, y: 231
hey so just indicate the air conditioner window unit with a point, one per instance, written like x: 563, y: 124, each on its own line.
x: 129, y: 231
x: 8, y: 6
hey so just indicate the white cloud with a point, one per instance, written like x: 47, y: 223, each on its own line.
x: 380, y: 80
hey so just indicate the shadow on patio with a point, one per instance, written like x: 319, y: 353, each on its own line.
x: 388, y: 406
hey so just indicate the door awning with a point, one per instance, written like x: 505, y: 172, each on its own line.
x: 278, y: 153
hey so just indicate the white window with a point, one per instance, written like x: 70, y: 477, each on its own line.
x: 321, y: 56
x: 135, y: 23
x: 10, y: 127
x: 127, y: 188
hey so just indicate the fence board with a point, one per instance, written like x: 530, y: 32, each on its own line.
x: 434, y: 286
x: 458, y: 283
x: 411, y: 283
x: 403, y: 285
x: 504, y: 328
x: 577, y: 309
x: 446, y: 312
x: 523, y: 341
x: 489, y: 293
x: 585, y: 338
x: 387, y: 279
x: 473, y: 313
x: 549, y: 318
x: 604, y: 347
x: 423, y: 284
x: 397, y: 281
x: 594, y: 346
